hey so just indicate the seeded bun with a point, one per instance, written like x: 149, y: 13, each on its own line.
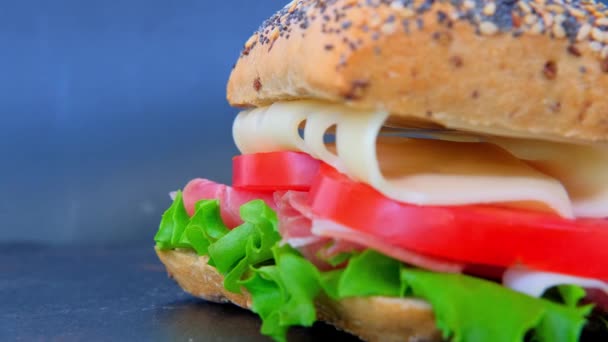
x: 506, y: 67
x: 371, y: 319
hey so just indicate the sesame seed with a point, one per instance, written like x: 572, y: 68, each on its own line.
x: 554, y: 106
x: 468, y: 4
x: 489, y: 9
x: 602, y: 22
x: 294, y: 5
x: 389, y: 28
x: 441, y: 17
x: 555, y: 8
x: 559, y: 31
x: 596, y: 46
x: 488, y: 28
x: 597, y: 34
x: 456, y: 61
x: 560, y: 18
x: 530, y: 19
x: 548, y: 19
x: 443, y: 38
x: 588, y: 6
x: 406, y: 25
x: 550, y: 70
x: 251, y: 41
x: 605, y: 35
x: 274, y: 34
x: 420, y: 24
x: 604, y: 53
x: 573, y: 50
x: 310, y: 11
x: 397, y: 5
x: 257, y: 84
x: 537, y: 28
x: 583, y: 32
x: 454, y: 15
x: 536, y: 8
x: 524, y: 6
x: 406, y: 13
x: 604, y: 65
x: 357, y: 89
x: 577, y: 13
x: 375, y: 21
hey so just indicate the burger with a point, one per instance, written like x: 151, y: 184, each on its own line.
x: 411, y: 170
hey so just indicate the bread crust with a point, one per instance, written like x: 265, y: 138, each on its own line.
x: 515, y: 68
x: 369, y: 318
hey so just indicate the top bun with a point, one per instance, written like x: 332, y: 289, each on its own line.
x: 522, y: 68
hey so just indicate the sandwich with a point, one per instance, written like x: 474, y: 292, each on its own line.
x: 411, y: 170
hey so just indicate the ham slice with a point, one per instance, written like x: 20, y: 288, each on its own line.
x: 295, y: 223
x: 318, y: 240
x: 230, y: 199
x: 598, y: 297
x: 294, y: 218
x: 339, y: 232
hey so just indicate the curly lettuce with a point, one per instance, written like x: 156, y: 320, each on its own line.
x: 284, y: 285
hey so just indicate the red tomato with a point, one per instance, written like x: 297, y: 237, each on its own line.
x: 274, y: 171
x: 474, y: 234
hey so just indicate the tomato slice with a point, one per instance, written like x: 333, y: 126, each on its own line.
x: 274, y: 171
x: 473, y: 234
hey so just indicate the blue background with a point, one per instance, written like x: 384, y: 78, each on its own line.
x: 106, y: 106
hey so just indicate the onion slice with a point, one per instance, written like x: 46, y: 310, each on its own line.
x: 535, y: 283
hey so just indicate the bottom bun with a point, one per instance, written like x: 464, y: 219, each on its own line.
x: 369, y: 318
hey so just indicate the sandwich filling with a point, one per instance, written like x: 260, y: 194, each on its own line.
x: 503, y: 237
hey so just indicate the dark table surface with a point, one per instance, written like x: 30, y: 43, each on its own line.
x: 64, y: 293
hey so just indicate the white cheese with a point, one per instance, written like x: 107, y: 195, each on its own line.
x: 417, y: 171
x: 582, y: 169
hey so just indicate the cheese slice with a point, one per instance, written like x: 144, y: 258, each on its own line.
x: 417, y: 171
x: 582, y: 169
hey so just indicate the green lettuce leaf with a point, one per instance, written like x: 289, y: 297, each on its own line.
x: 205, y: 227
x: 571, y: 294
x: 178, y: 230
x: 463, y: 304
x: 338, y: 259
x: 172, y: 225
x: 369, y: 274
x: 283, y: 294
x: 284, y: 285
x: 466, y: 308
x: 246, y: 245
